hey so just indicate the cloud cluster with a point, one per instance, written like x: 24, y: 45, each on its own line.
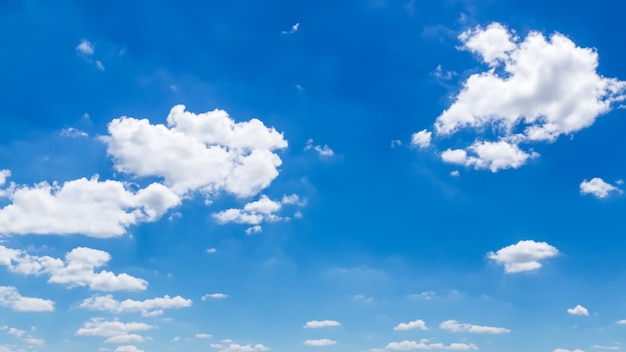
x: 229, y: 345
x: 77, y: 270
x: 407, y: 345
x: 114, y: 331
x: 83, y: 206
x: 316, y: 324
x: 207, y: 152
x: 534, y: 90
x: 254, y: 213
x: 323, y: 151
x: 11, y: 298
x: 523, y: 256
x: 148, y: 307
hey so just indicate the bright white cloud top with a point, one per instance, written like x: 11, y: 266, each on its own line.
x: 523, y: 256
x: 578, y: 310
x: 11, y: 298
x: 114, y: 331
x: 207, y: 152
x: 535, y: 90
x: 320, y: 342
x: 597, y: 187
x: 77, y: 270
x: 421, y: 139
x: 148, y: 307
x: 455, y: 326
x: 412, y: 325
x: 409, y: 345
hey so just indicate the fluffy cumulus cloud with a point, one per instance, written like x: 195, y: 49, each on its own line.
x: 128, y: 348
x: 523, y: 256
x: 421, y: 139
x: 254, y: 213
x: 316, y: 324
x: 578, y: 310
x: 77, y: 270
x: 114, y: 331
x: 207, y: 152
x: 455, y: 326
x: 85, y: 47
x: 320, y: 342
x: 12, y: 299
x: 24, y: 336
x: 412, y: 325
x: 230, y: 346
x: 598, y: 188
x: 148, y: 307
x: 534, y: 90
x: 83, y: 206
x: 407, y: 345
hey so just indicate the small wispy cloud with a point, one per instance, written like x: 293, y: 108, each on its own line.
x: 293, y: 29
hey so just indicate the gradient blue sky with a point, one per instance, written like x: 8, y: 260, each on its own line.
x: 380, y: 176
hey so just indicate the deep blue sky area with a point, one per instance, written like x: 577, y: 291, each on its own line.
x: 367, y: 175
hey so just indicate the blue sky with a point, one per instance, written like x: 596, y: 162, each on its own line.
x: 366, y: 175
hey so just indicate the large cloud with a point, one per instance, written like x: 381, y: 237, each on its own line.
x: 84, y: 206
x: 535, y: 89
x: 523, y: 256
x: 77, y: 270
x: 206, y: 152
x: 115, y: 331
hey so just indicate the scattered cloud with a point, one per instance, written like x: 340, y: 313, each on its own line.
x: 443, y: 75
x: 598, y: 188
x: 77, y: 270
x: 100, y: 65
x: 148, y: 307
x: 230, y: 346
x: 203, y: 336
x: 320, y: 342
x: 85, y: 47
x: 207, y: 152
x: 73, y: 133
x: 426, y: 295
x: 412, y: 325
x: 578, y: 310
x: 214, y: 296
x: 523, y: 256
x: 323, y: 151
x: 316, y: 324
x: 114, y: 331
x: 293, y: 29
x: 407, y: 345
x: 455, y: 326
x: 565, y: 350
x: 621, y: 322
x: 254, y: 213
x: 97, y: 208
x: 211, y: 250
x: 127, y: 348
x: 534, y: 90
x: 11, y: 298
x: 606, y: 348
x: 455, y: 173
x: 421, y: 139
x: 363, y: 298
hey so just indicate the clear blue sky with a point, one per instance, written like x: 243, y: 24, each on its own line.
x: 367, y: 175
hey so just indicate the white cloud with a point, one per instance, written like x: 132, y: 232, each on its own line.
x: 4, y: 174
x: 84, y: 206
x: 455, y: 173
x: 421, y: 139
x: 578, y: 310
x: 11, y: 298
x: 320, y: 342
x: 455, y: 326
x: 211, y: 250
x: 231, y: 346
x: 621, y: 322
x: 535, y: 89
x: 203, y: 336
x: 412, y: 325
x: 606, y: 348
x: 323, y: 151
x: 523, y: 256
x: 207, y: 152
x: 115, y: 331
x: 127, y: 348
x: 293, y: 29
x: 148, y: 307
x: 316, y: 324
x: 407, y: 345
x: 78, y: 269
x: 214, y: 296
x: 597, y: 187
x: 85, y: 47
x: 565, y: 350
x: 100, y: 65
x: 426, y: 295
x: 73, y: 132
x: 254, y: 213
